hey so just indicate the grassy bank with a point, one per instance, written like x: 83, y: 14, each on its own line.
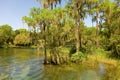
x: 102, y: 59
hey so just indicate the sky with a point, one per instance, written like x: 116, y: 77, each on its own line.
x: 12, y: 11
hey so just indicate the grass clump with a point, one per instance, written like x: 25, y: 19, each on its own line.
x: 78, y: 57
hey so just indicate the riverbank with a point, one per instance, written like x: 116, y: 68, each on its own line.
x: 14, y: 46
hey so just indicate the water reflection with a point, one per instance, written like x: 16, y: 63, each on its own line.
x: 18, y: 64
x: 101, y: 69
x: 89, y: 75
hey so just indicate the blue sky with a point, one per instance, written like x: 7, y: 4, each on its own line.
x: 12, y: 11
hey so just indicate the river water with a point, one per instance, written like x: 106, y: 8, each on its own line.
x: 26, y: 64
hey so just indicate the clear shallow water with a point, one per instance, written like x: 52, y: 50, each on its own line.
x: 25, y: 64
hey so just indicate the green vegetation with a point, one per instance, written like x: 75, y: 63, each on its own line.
x: 6, y: 35
x: 23, y: 38
x: 61, y: 32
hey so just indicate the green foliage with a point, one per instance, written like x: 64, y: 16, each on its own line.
x: 6, y: 34
x: 115, y: 46
x: 64, y: 50
x: 78, y: 57
x: 110, y: 38
x: 22, y: 40
x: 22, y: 30
x: 99, y: 51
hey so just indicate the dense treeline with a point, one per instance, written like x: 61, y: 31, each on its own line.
x: 11, y: 38
x: 63, y: 33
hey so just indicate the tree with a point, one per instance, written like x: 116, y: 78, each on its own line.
x: 114, y: 40
x: 80, y: 8
x: 96, y: 12
x: 40, y: 18
x: 32, y: 24
x: 23, y: 38
x: 6, y: 34
x: 49, y: 3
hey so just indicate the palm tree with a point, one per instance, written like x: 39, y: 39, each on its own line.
x: 79, y: 7
x: 49, y: 3
x: 108, y: 8
x: 95, y: 12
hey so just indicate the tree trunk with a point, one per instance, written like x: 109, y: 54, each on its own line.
x: 45, y: 52
x: 80, y: 40
x: 97, y: 29
x: 77, y: 28
x: 77, y: 36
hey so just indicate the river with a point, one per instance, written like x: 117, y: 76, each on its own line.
x: 26, y: 64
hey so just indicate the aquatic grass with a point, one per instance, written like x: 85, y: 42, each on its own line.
x: 99, y: 55
x: 102, y: 59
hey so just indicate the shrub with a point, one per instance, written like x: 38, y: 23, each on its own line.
x: 78, y: 57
